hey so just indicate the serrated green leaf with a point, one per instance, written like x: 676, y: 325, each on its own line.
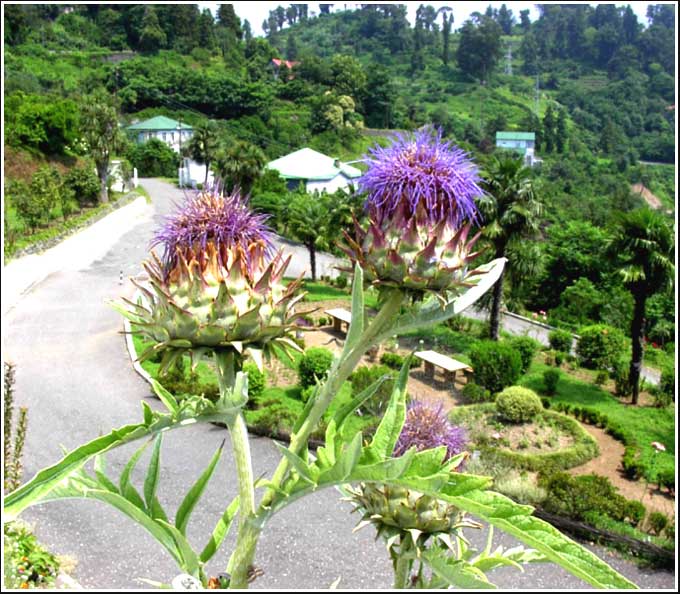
x: 345, y: 463
x: 356, y: 327
x: 125, y: 485
x: 456, y: 573
x: 148, y: 413
x: 100, y: 473
x: 166, y: 398
x: 516, y: 520
x: 194, y: 495
x: 48, y: 478
x: 303, y: 469
x: 387, y: 433
x: 190, y: 562
x: 220, y: 532
x: 153, y: 473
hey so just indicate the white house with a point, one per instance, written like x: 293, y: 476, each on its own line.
x: 171, y: 132
x: 315, y: 170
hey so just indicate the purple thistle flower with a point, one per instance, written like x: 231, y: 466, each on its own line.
x: 208, y: 217
x: 426, y: 427
x: 421, y: 176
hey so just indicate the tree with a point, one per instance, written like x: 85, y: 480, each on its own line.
x: 561, y: 130
x: 643, y: 248
x: 505, y: 19
x: 152, y: 37
x: 291, y: 47
x: 524, y: 20
x: 239, y: 165
x: 227, y: 17
x: 549, y: 130
x: 203, y: 145
x: 510, y: 213
x: 479, y: 48
x: 309, y: 221
x: 102, y: 135
x: 446, y: 38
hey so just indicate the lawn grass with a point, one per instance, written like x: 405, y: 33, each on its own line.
x: 643, y: 423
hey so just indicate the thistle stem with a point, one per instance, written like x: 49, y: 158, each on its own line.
x: 227, y: 366
x: 402, y: 566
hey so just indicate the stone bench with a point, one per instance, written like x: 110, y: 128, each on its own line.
x: 450, y: 366
x: 339, y: 315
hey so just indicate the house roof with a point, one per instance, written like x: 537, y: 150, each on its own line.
x: 288, y: 63
x: 159, y: 123
x: 515, y: 136
x: 311, y: 165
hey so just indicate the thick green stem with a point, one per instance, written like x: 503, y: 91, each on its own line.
x: 402, y: 567
x: 346, y: 364
x: 239, y: 564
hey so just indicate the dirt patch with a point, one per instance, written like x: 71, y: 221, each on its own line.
x: 647, y: 196
x: 608, y: 464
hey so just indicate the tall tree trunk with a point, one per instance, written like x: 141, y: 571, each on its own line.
x: 495, y: 317
x: 207, y: 171
x: 637, y: 331
x: 312, y: 258
x: 103, y: 173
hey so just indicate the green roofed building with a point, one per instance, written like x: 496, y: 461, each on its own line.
x: 167, y: 130
x: 315, y: 170
x: 520, y: 142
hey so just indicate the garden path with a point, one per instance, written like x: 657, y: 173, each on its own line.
x: 74, y: 375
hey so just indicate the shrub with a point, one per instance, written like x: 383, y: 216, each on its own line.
x: 635, y: 512
x: 666, y: 478
x: 306, y: 393
x: 560, y: 340
x: 559, y: 358
x: 341, y: 281
x: 475, y: 393
x: 600, y: 346
x: 657, y: 522
x: 667, y: 385
x: 550, y: 379
x: 84, y: 185
x: 518, y: 405
x: 601, y: 378
x: 274, y: 417
x: 620, y: 374
x: 396, y: 362
x: 497, y: 365
x: 257, y: 381
x: 154, y: 159
x: 314, y: 365
x: 527, y: 348
x: 364, y: 376
x: 670, y: 530
x: 575, y: 496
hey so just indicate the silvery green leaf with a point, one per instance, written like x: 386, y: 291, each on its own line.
x: 346, y: 462
x: 220, y: 532
x: 303, y: 469
x: 189, y: 559
x: 166, y: 398
x: 356, y: 327
x: 153, y: 473
x: 457, y: 573
x: 126, y: 488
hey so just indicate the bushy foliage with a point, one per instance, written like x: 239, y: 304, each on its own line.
x: 550, y: 379
x: 396, y: 362
x: 560, y: 340
x: 83, y: 183
x: 364, y: 376
x: 475, y: 393
x: 314, y: 366
x: 527, y: 348
x: 154, y: 159
x: 257, y: 381
x: 657, y: 522
x: 518, y: 405
x: 496, y: 365
x: 666, y: 387
x: 599, y: 346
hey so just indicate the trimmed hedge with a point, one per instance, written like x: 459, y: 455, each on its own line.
x: 550, y: 379
x: 518, y: 405
x: 560, y: 340
x: 584, y: 448
x: 314, y: 365
x: 527, y: 348
x: 600, y: 346
x: 497, y: 365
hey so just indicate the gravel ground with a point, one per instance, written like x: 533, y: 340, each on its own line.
x: 74, y: 375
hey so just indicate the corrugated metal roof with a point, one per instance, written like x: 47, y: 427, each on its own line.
x: 515, y: 136
x: 311, y: 165
x: 158, y: 123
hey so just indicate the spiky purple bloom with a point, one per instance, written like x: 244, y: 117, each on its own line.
x: 426, y: 427
x: 421, y: 176
x: 209, y: 217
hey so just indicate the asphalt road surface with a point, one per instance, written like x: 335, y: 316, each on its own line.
x: 74, y: 374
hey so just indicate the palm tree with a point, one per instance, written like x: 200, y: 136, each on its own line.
x: 203, y: 146
x: 510, y: 212
x: 239, y: 164
x: 643, y: 247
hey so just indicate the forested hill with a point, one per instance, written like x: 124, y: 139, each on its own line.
x: 594, y: 84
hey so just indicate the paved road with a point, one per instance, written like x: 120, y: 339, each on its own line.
x: 74, y: 375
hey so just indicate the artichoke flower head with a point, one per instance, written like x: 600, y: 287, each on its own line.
x: 397, y: 511
x: 421, y: 193
x: 217, y: 285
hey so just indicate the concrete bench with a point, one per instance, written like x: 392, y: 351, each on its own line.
x: 450, y: 366
x: 339, y: 315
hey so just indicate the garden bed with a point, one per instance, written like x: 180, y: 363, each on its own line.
x: 551, y: 441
